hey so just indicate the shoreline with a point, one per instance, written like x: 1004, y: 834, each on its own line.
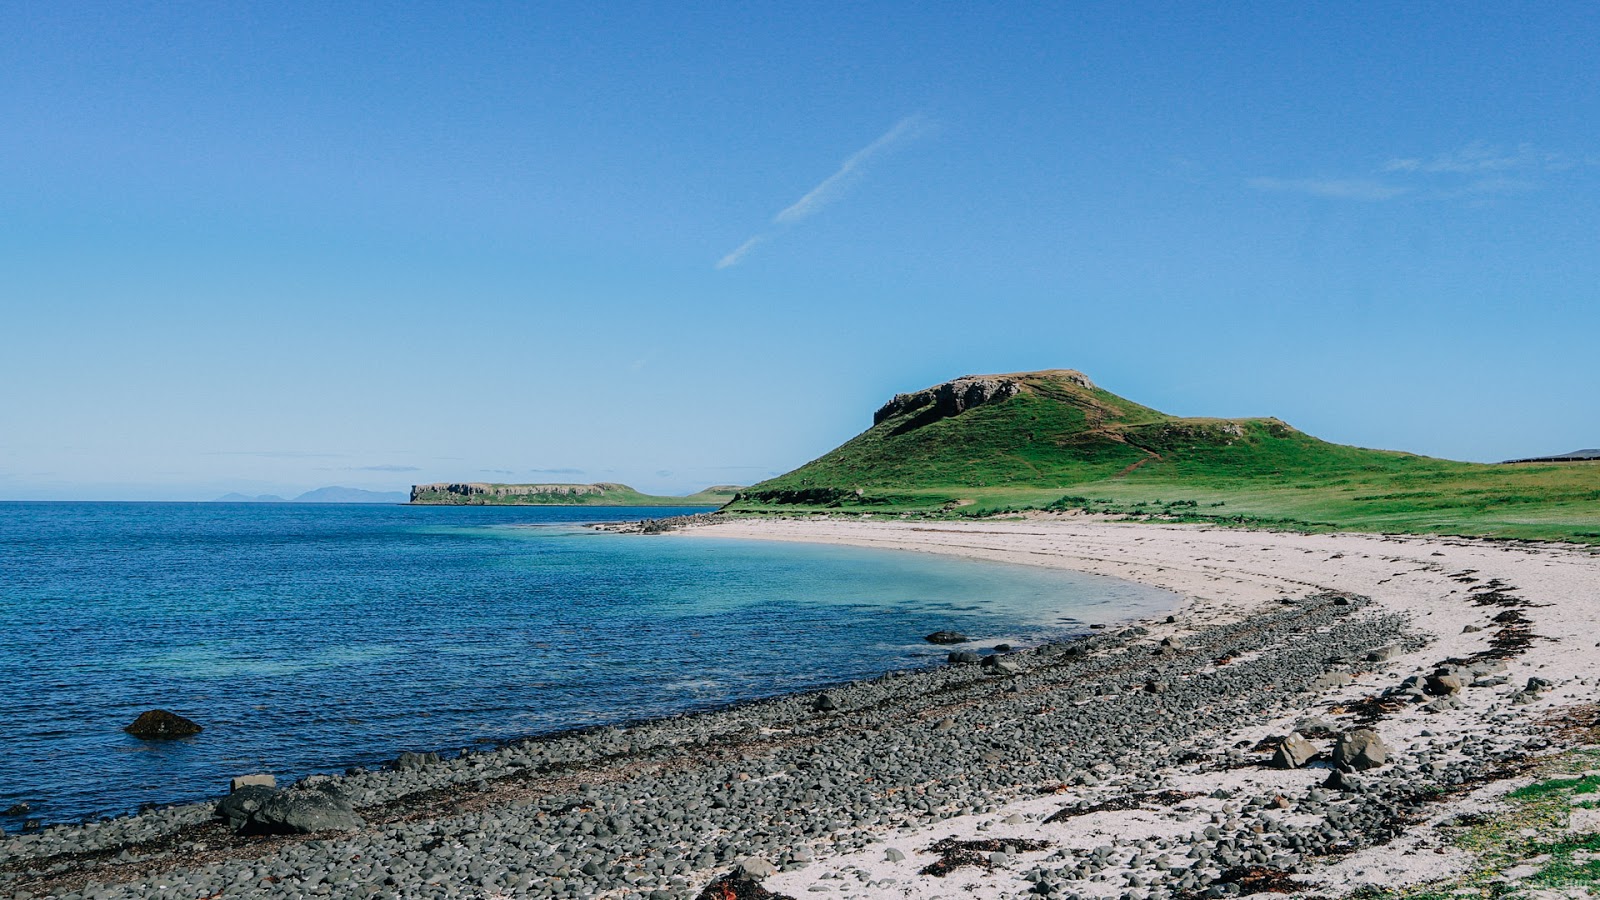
x: 1229, y: 580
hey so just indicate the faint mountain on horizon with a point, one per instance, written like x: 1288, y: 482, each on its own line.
x: 332, y: 494
x: 337, y: 494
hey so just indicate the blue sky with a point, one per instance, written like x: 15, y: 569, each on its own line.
x: 272, y: 247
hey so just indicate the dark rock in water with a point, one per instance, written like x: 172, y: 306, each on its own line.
x: 18, y: 809
x: 237, y: 808
x: 296, y: 812
x: 159, y: 724
x: 409, y: 760
x: 734, y: 886
x: 1360, y: 750
x: 946, y: 637
x: 1002, y: 648
x: 962, y: 658
x: 824, y: 703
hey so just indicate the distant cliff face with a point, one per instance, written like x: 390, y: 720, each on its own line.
x: 479, y: 492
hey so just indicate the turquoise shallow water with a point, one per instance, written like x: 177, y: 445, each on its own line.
x: 309, y: 637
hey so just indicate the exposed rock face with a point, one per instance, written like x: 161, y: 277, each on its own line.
x: 158, y: 724
x: 951, y: 398
x: 467, y: 491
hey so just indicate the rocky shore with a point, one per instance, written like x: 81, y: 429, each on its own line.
x: 1301, y: 737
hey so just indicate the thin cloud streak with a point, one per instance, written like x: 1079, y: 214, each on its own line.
x: 732, y: 259
x: 1337, y: 188
x: 833, y: 188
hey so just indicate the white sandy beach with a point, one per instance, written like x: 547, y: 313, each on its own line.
x: 1228, y: 574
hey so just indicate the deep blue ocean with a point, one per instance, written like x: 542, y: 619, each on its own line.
x: 310, y: 637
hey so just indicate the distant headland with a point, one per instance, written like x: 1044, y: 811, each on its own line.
x: 602, y: 493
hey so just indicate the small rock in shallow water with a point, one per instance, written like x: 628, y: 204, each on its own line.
x: 159, y: 724
x: 946, y: 637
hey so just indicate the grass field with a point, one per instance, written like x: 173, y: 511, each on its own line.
x: 1060, y: 444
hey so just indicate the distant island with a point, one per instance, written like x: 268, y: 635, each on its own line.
x: 333, y: 494
x: 602, y: 493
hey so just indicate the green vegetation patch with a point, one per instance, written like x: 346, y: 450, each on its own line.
x: 1058, y: 444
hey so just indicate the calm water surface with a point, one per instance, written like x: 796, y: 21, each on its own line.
x: 309, y: 637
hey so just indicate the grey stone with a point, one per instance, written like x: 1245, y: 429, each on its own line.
x: 409, y: 760
x: 237, y: 808
x: 755, y: 868
x: 1360, y: 750
x: 1330, y: 680
x: 1294, y: 752
x: 946, y: 637
x: 301, y: 812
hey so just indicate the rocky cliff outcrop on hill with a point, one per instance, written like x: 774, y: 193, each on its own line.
x: 955, y: 397
x: 950, y: 398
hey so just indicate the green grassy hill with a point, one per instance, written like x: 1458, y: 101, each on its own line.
x: 985, y: 444
x: 600, y: 494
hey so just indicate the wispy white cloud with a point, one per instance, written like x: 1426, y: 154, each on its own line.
x: 1479, y: 158
x: 1338, y: 188
x: 732, y: 259
x: 833, y: 188
x: 1477, y: 170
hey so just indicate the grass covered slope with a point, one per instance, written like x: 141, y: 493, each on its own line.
x: 983, y: 444
x: 600, y: 494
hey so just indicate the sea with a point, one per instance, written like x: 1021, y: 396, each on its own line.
x: 309, y: 638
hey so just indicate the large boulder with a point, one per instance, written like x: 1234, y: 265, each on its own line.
x: 1294, y: 752
x: 159, y: 724
x: 257, y: 809
x: 1444, y: 683
x: 237, y: 808
x: 1359, y: 750
x: 302, y: 812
